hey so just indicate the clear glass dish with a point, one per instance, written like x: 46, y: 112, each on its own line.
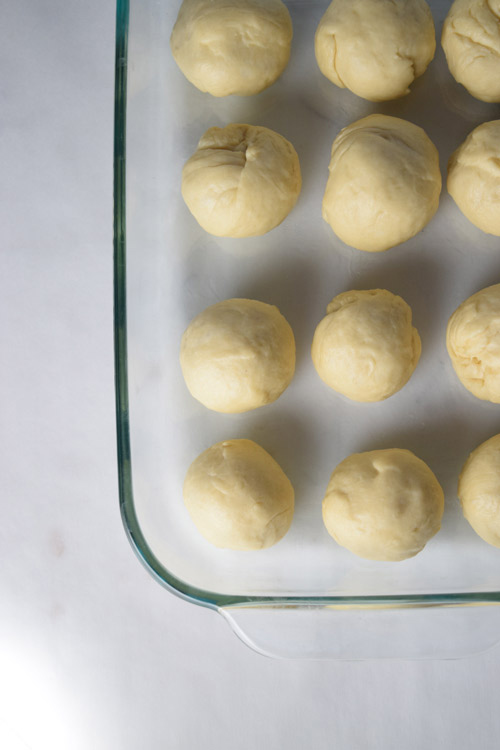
x: 306, y: 596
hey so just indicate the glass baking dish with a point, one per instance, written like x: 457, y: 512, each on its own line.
x: 306, y: 596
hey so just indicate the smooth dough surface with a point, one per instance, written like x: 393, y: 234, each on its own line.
x: 242, y: 180
x: 384, y: 183
x: 237, y: 47
x: 471, y: 43
x: 474, y: 177
x: 238, y: 496
x: 366, y: 347
x: 479, y: 490
x: 375, y: 48
x: 383, y: 505
x: 238, y: 355
x: 473, y: 343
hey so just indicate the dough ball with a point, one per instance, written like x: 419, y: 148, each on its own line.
x: 375, y: 48
x: 238, y: 496
x: 241, y: 181
x: 383, y: 505
x: 366, y: 347
x: 384, y: 183
x: 479, y: 490
x: 471, y: 43
x: 473, y: 343
x: 232, y: 47
x: 474, y: 177
x: 238, y: 355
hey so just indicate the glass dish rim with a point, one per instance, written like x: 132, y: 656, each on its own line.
x: 129, y: 517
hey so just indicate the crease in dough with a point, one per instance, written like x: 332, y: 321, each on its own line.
x: 242, y: 180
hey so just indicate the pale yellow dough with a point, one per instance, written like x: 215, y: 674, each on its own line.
x: 479, y: 490
x: 383, y: 505
x: 384, y: 183
x: 375, y: 48
x: 238, y: 496
x: 232, y: 46
x: 238, y: 355
x: 474, y: 177
x: 242, y: 180
x: 471, y: 43
x: 473, y: 343
x: 366, y: 347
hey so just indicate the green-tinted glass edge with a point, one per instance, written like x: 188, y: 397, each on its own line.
x: 129, y: 517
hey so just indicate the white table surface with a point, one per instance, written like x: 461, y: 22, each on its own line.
x: 94, y: 654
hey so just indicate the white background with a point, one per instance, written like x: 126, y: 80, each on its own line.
x: 93, y: 653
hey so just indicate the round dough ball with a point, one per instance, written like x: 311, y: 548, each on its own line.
x: 479, y: 490
x: 237, y: 47
x: 238, y: 496
x: 241, y: 181
x: 383, y: 505
x: 375, y: 48
x: 471, y: 43
x: 473, y: 343
x: 238, y: 355
x: 366, y: 347
x: 384, y: 183
x: 474, y: 177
